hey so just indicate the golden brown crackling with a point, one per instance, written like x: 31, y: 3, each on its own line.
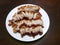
x: 31, y: 8
x: 32, y: 34
x: 38, y: 16
x: 33, y: 26
x: 20, y: 12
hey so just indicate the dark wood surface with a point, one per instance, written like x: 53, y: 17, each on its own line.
x: 52, y: 7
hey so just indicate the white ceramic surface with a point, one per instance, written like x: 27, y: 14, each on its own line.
x: 26, y: 38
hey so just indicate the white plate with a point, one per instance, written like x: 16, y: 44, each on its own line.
x: 17, y: 36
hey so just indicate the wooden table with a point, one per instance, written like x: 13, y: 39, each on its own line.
x: 52, y: 7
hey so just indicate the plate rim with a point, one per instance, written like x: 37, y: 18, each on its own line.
x: 22, y: 40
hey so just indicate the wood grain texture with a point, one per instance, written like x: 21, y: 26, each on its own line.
x: 52, y: 7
